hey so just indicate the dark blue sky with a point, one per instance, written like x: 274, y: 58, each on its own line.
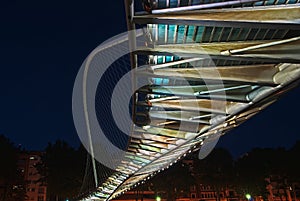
x: 42, y: 46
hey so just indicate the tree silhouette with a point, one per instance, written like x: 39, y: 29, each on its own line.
x: 62, y: 169
x: 8, y: 168
x: 175, y: 181
x: 293, y: 165
x: 215, y: 170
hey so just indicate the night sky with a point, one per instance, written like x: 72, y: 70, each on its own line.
x: 42, y: 46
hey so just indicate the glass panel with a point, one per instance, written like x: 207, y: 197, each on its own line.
x: 173, y: 3
x: 199, y: 34
x: 243, y: 34
x: 162, y: 3
x: 161, y: 33
x: 234, y: 34
x: 217, y: 33
x: 252, y: 34
x: 190, y: 34
x: 171, y: 33
x: 206, y: 34
x: 196, y: 2
x: 180, y: 34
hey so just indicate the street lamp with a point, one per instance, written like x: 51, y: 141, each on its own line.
x: 248, y: 196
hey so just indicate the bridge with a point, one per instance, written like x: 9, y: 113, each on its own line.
x: 209, y: 66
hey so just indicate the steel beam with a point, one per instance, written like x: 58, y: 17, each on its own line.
x: 202, y: 6
x: 274, y: 17
x: 287, y: 52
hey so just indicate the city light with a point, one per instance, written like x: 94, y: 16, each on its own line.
x: 248, y: 196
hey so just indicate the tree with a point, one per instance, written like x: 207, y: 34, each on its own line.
x: 292, y: 165
x: 258, y: 164
x: 62, y: 169
x: 175, y: 181
x: 215, y: 170
x: 8, y: 168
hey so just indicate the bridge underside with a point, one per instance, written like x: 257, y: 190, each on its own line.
x: 211, y: 65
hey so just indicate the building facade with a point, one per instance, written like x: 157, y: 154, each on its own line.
x: 281, y: 189
x: 35, y: 188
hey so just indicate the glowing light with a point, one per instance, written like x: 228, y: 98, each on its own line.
x: 248, y: 196
x: 158, y: 198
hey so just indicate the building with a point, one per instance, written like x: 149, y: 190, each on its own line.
x: 198, y: 192
x: 281, y: 189
x: 201, y: 192
x: 35, y: 189
x: 135, y: 195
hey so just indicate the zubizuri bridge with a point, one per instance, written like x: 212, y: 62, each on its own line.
x: 206, y: 66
